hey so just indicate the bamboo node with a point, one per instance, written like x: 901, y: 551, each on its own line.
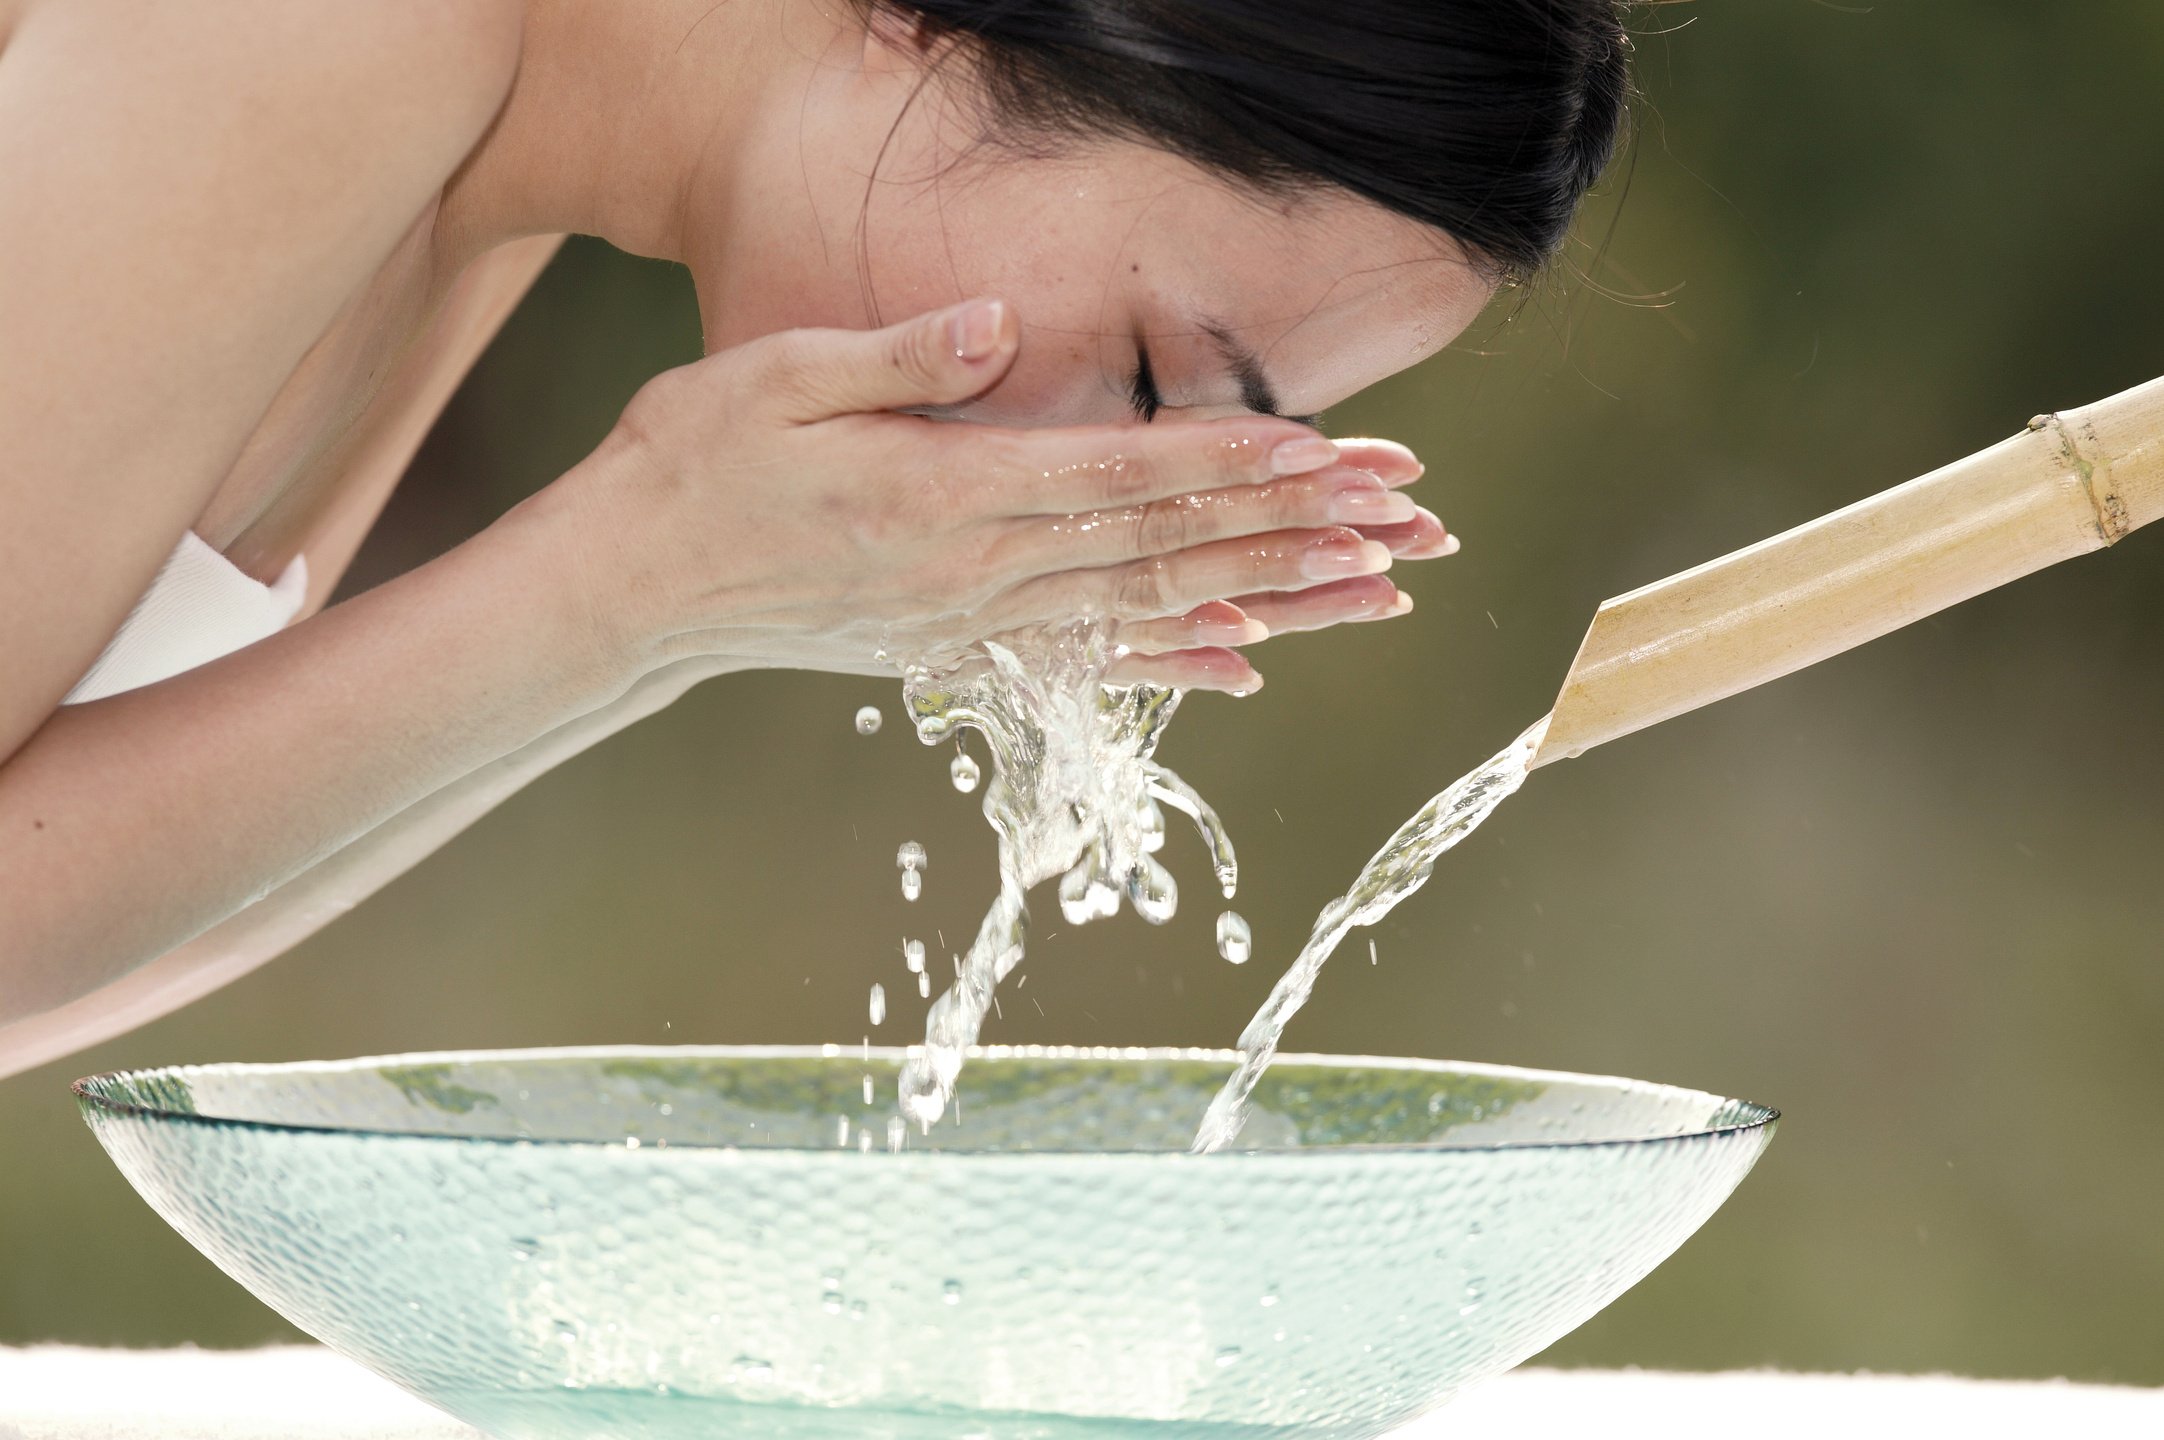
x: 2112, y: 521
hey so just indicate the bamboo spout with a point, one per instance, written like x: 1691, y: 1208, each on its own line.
x: 2067, y: 484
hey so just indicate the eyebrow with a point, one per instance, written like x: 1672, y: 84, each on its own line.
x: 1256, y: 392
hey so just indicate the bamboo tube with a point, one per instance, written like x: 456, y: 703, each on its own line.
x: 2068, y: 484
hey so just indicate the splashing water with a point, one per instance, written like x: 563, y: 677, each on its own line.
x: 1396, y: 871
x: 1073, y: 793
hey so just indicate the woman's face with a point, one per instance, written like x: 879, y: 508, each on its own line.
x: 1109, y: 253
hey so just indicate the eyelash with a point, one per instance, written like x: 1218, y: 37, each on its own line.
x: 1142, y: 387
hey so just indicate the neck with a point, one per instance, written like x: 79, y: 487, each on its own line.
x: 618, y: 116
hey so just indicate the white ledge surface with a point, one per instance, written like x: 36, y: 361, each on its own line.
x: 308, y: 1393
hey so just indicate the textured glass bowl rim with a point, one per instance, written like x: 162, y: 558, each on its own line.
x: 1761, y: 1117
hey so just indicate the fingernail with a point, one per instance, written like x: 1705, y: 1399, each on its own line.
x: 1402, y: 605
x: 1363, y: 448
x: 1298, y: 456
x: 1370, y: 505
x: 974, y: 329
x: 1340, y: 556
x: 1450, y: 544
x: 1227, y: 624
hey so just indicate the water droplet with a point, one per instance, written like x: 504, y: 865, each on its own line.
x: 912, y: 884
x: 1152, y: 891
x: 831, y: 1302
x: 857, y: 1309
x: 1234, y: 940
x: 1228, y: 1357
x: 924, y: 985
x: 869, y: 720
x: 951, y: 1292
x: 867, y: 1089
x: 913, y: 956
x: 1371, y: 954
x: 897, y: 1132
x: 751, y: 1367
x: 879, y: 1003
x: 1085, y: 895
x: 1269, y: 1297
x: 864, y: 1142
x: 841, y: 1127
x: 631, y: 1142
x: 1152, y: 828
x: 964, y: 772
x: 912, y: 857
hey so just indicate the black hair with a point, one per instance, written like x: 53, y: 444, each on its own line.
x: 1487, y: 119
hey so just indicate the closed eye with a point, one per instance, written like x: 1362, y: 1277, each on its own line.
x: 1142, y: 395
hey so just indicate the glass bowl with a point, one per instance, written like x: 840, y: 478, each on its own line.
x: 664, y: 1242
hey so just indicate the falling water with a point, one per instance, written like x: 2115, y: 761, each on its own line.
x: 1073, y: 793
x: 1396, y: 871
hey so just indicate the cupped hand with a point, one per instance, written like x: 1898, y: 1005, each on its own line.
x: 1200, y: 650
x: 768, y: 504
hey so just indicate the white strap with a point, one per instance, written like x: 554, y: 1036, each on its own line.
x: 200, y: 607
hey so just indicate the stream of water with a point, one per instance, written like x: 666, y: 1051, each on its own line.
x: 1076, y: 793
x: 1396, y: 871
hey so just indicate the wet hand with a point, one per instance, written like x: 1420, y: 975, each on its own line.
x: 1201, y: 649
x: 768, y: 504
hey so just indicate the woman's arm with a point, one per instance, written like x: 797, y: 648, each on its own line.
x: 764, y: 504
x: 311, y: 900
x: 133, y: 824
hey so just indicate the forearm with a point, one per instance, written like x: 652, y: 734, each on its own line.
x: 131, y: 826
x: 319, y: 895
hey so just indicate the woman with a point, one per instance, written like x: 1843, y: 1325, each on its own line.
x: 248, y: 248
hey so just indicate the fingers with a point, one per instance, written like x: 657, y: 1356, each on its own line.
x: 1421, y: 538
x: 1386, y: 460
x: 1104, y: 467
x: 1370, y: 597
x: 1338, y: 495
x: 1174, y: 584
x: 1209, y: 668
x: 941, y: 358
x: 1251, y: 619
x: 1217, y: 623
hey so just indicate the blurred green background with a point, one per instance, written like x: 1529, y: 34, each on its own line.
x: 1914, y: 897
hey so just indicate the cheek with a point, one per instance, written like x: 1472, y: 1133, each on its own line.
x: 1058, y: 379
x: 1057, y: 267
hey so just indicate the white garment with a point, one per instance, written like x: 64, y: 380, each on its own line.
x: 200, y: 607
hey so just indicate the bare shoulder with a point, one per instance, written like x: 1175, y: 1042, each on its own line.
x: 189, y: 193
x: 431, y: 60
